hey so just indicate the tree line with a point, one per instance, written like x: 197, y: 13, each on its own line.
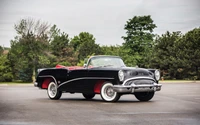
x: 40, y: 45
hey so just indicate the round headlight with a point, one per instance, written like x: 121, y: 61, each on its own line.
x: 121, y: 75
x: 157, y: 75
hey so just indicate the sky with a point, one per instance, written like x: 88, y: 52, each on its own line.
x: 105, y: 19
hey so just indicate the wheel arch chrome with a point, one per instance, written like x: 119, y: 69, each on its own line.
x: 48, y: 76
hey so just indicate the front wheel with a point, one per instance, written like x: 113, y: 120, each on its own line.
x: 53, y: 92
x: 108, y: 94
x: 88, y: 96
x: 144, y: 96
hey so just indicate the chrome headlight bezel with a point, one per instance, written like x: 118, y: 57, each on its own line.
x: 121, y: 75
x: 157, y: 75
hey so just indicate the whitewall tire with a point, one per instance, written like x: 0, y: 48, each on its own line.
x: 108, y: 94
x: 53, y: 92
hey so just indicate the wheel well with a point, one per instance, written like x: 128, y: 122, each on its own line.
x: 45, y: 83
x: 98, y: 85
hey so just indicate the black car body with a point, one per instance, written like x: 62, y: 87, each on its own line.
x: 104, y: 75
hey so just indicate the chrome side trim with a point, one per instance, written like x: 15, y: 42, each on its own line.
x: 139, y: 77
x: 76, y: 79
x: 51, y: 77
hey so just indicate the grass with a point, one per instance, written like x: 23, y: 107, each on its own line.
x: 16, y: 83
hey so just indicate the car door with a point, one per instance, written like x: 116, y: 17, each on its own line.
x: 76, y: 80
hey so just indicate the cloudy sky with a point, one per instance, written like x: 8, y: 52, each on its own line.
x: 104, y: 19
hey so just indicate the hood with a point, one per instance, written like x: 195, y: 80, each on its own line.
x: 134, y: 71
x: 129, y: 71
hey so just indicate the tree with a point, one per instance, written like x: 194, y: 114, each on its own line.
x: 138, y: 39
x: 61, y: 48
x: 189, y: 53
x: 119, y: 51
x: 165, y: 55
x: 5, y: 69
x: 177, y: 55
x: 30, y: 44
x: 1, y: 50
x: 76, y: 42
x: 111, y: 50
x: 85, y: 45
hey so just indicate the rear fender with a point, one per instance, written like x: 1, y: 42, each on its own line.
x: 45, y: 80
x: 53, y: 74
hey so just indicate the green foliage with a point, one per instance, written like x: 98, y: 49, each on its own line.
x: 111, y: 50
x: 177, y: 55
x: 81, y: 63
x: 25, y: 74
x: 5, y: 69
x: 189, y: 53
x: 65, y: 63
x: 1, y: 50
x: 77, y: 40
x: 138, y: 39
x: 85, y: 45
x: 28, y: 47
x: 43, y: 60
x: 164, y: 54
x: 21, y: 69
x: 61, y: 48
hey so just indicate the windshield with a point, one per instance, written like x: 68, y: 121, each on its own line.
x: 106, y: 62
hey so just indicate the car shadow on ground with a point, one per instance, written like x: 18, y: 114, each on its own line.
x: 82, y: 100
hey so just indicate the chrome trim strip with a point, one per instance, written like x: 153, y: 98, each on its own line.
x: 138, y: 86
x: 144, y: 86
x: 139, y: 77
x: 81, y: 79
x: 51, y: 77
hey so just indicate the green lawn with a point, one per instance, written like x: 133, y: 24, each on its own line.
x: 15, y: 83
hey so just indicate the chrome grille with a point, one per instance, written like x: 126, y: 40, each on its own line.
x: 136, y: 73
x: 139, y: 82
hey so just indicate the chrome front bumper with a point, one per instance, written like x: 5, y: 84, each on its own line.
x: 148, y: 84
x: 137, y: 88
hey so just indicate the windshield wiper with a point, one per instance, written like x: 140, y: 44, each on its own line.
x: 107, y: 65
x: 102, y: 66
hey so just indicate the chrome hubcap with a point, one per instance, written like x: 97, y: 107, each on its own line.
x: 52, y: 90
x: 109, y: 92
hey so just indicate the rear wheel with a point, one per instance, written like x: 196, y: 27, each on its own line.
x: 53, y: 92
x: 88, y: 96
x: 108, y: 94
x: 144, y: 96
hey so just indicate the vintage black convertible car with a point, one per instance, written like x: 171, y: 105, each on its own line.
x: 104, y: 75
